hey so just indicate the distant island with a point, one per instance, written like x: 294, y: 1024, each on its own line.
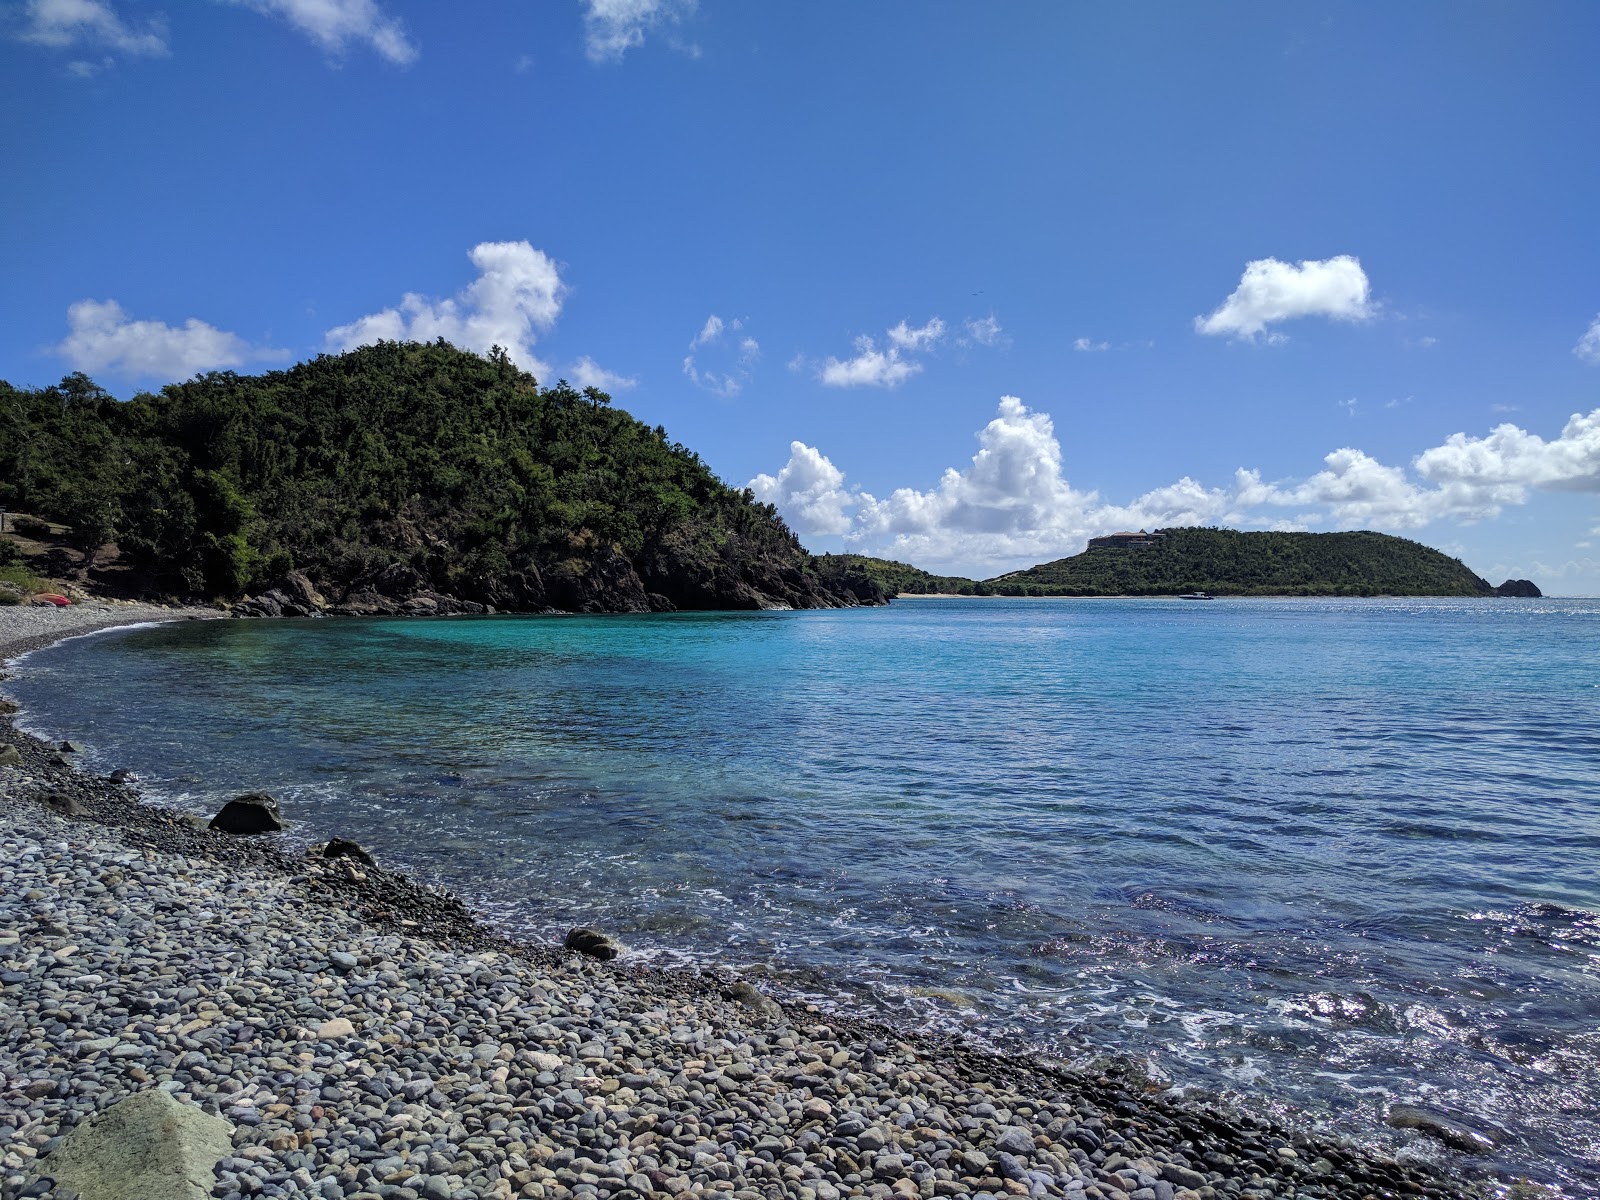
x: 1220, y: 562
x: 422, y: 479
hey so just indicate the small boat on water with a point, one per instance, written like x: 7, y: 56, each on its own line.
x: 1197, y: 596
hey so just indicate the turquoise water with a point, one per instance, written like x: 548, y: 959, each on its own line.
x: 1323, y: 855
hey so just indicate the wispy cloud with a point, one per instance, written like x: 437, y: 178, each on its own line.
x: 335, y: 25
x: 1088, y: 346
x: 734, y: 354
x: 102, y: 337
x: 1271, y: 292
x: 1588, y: 347
x: 91, y: 25
x: 587, y: 373
x: 613, y: 27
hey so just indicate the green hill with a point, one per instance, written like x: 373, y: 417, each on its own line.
x: 396, y: 473
x: 1226, y: 562
x: 894, y: 578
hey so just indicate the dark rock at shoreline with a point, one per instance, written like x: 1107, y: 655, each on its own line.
x: 593, y: 943
x: 752, y: 998
x: 70, y: 748
x: 256, y: 812
x: 63, y: 803
x: 7, y: 707
x: 344, y: 848
x: 1519, y: 587
x: 1452, y: 1132
x: 122, y: 775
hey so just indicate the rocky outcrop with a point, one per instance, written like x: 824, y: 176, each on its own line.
x: 151, y: 1146
x: 344, y: 848
x: 1518, y: 587
x: 256, y: 812
x: 292, y: 596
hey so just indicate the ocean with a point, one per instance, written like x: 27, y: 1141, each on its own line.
x: 1310, y: 856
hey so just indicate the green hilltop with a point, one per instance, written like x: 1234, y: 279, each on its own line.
x: 400, y: 476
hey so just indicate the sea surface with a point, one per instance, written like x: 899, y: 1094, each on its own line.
x: 1310, y: 856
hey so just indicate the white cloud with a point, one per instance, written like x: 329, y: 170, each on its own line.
x: 1013, y: 505
x: 885, y: 368
x: 613, y: 27
x: 335, y: 24
x: 103, y: 338
x: 809, y: 491
x: 986, y: 331
x: 94, y: 24
x: 710, y: 332
x: 1588, y: 347
x: 1084, y: 346
x: 517, y: 295
x: 587, y: 373
x: 735, y: 362
x: 870, y: 367
x: 915, y: 341
x: 1271, y: 291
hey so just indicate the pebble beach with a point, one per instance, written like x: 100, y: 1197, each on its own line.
x: 368, y: 1037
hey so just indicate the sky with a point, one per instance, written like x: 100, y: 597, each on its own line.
x: 961, y: 284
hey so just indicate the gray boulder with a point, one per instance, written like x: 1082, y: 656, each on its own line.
x: 63, y: 803
x: 10, y: 756
x: 256, y: 812
x: 593, y: 943
x: 749, y: 996
x: 151, y: 1146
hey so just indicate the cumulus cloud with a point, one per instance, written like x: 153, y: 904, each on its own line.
x: 102, y: 337
x: 1588, y: 347
x: 90, y: 24
x: 888, y: 367
x: 1013, y: 504
x: 1271, y: 291
x: 587, y: 373
x: 517, y: 296
x: 809, y: 491
x: 734, y: 356
x: 613, y: 27
x: 336, y: 24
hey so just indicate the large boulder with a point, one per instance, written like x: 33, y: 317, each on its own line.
x: 151, y: 1146
x: 10, y: 756
x: 593, y: 943
x: 256, y: 812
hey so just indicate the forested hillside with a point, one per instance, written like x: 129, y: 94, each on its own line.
x: 1226, y: 562
x: 398, y: 471
x: 895, y: 578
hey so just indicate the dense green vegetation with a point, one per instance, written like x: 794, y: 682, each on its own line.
x: 897, y: 578
x: 1225, y: 562
x: 447, y: 471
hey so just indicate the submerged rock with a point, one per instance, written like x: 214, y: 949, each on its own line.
x: 593, y: 943
x: 151, y: 1146
x: 1452, y: 1132
x: 256, y: 812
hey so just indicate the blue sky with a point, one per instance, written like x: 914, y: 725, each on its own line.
x: 963, y: 284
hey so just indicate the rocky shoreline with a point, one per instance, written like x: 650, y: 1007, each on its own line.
x: 367, y: 1037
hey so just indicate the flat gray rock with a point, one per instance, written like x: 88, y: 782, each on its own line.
x: 151, y: 1146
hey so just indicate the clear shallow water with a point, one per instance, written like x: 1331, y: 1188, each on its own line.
x: 1323, y: 855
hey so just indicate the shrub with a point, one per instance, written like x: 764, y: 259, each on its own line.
x: 31, y: 527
